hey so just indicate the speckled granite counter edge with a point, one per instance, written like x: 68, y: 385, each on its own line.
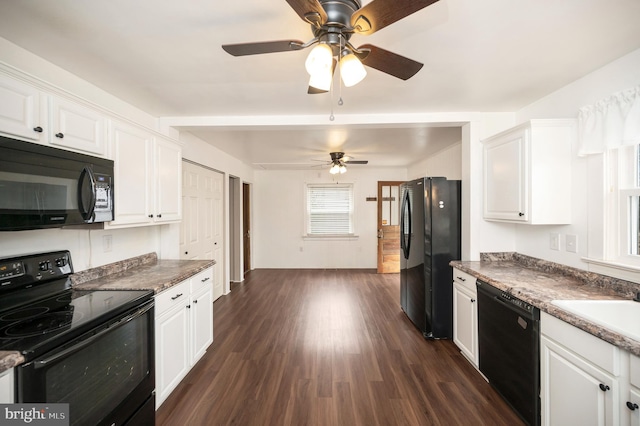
x: 10, y: 359
x: 626, y: 289
x: 113, y: 268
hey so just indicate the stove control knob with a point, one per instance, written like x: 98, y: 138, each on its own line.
x: 61, y: 262
x: 45, y: 265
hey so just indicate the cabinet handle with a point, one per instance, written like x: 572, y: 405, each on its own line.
x: 59, y: 135
x: 150, y: 216
x: 205, y: 279
x: 195, y: 301
x: 520, y: 214
x: 186, y: 252
x: 37, y: 129
x: 473, y: 300
x: 461, y: 279
x: 632, y: 406
x: 159, y: 215
x: 176, y: 296
x: 188, y: 306
x: 604, y: 387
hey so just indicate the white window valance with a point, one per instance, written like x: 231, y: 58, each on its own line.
x: 610, y: 123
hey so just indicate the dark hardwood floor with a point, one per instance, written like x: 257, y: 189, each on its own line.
x: 327, y: 347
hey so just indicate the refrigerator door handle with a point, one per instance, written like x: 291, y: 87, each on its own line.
x: 405, y: 238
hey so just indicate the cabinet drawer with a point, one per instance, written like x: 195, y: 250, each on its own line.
x: 465, y: 280
x: 171, y: 297
x: 202, y: 280
x: 587, y: 346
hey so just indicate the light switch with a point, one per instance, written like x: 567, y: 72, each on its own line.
x: 554, y: 241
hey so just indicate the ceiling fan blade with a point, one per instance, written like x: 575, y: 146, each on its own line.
x: 309, y: 10
x: 380, y: 13
x: 242, y: 49
x: 356, y: 162
x: 389, y: 62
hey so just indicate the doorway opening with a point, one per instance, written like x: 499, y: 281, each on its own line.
x: 389, y: 227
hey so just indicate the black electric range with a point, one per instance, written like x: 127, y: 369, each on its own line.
x: 40, y: 311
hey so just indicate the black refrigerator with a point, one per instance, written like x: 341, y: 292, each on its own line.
x: 429, y: 240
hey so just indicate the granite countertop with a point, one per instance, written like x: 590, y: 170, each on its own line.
x: 140, y: 273
x: 538, y: 282
x: 144, y: 272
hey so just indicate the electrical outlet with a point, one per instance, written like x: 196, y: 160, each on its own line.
x: 554, y: 241
x: 107, y: 243
x: 572, y: 243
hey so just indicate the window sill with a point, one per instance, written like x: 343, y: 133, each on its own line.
x: 330, y: 237
x: 620, y: 270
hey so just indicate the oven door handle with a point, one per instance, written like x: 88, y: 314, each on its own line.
x: 86, y: 342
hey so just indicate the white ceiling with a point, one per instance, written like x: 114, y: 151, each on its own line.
x: 165, y: 58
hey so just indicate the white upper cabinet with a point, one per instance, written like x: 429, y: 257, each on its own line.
x: 77, y: 127
x: 20, y: 114
x: 132, y: 151
x: 527, y: 173
x: 34, y: 115
x: 168, y: 171
x: 148, y: 177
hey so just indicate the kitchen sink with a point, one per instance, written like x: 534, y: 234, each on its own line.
x: 622, y: 316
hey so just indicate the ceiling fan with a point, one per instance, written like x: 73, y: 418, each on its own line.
x: 333, y: 22
x: 339, y: 162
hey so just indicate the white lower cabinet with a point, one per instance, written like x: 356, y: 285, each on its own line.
x: 184, y: 330
x: 465, y: 315
x: 6, y: 387
x: 632, y: 403
x: 583, y: 380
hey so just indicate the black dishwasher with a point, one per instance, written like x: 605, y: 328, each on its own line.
x: 508, y: 346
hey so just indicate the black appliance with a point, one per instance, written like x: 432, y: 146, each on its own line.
x: 429, y: 240
x: 45, y: 187
x: 91, y: 349
x: 508, y: 349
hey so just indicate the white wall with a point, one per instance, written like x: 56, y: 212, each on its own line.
x: 447, y: 163
x: 588, y: 190
x: 279, y: 204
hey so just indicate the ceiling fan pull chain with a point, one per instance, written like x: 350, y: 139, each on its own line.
x: 340, y: 102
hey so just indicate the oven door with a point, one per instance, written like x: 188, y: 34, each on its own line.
x: 106, y: 376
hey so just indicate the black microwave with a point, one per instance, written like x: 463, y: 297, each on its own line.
x: 44, y: 187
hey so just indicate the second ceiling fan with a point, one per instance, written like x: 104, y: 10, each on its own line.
x: 333, y: 22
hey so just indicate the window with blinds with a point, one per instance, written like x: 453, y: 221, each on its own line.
x: 329, y: 209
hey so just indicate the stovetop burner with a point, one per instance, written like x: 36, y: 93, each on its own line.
x: 40, y: 325
x: 25, y: 314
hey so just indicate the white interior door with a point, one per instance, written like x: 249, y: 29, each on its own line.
x: 201, y: 229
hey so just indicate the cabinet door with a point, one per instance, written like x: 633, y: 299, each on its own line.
x: 634, y: 413
x: 201, y: 324
x: 573, y: 391
x: 133, y: 186
x: 172, y: 350
x: 77, y: 127
x: 20, y: 110
x: 465, y: 322
x: 6, y: 387
x: 168, y: 190
x: 505, y: 177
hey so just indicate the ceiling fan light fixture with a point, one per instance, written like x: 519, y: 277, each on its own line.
x: 351, y: 70
x: 320, y: 59
x: 342, y: 168
x: 335, y: 169
x: 321, y: 80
